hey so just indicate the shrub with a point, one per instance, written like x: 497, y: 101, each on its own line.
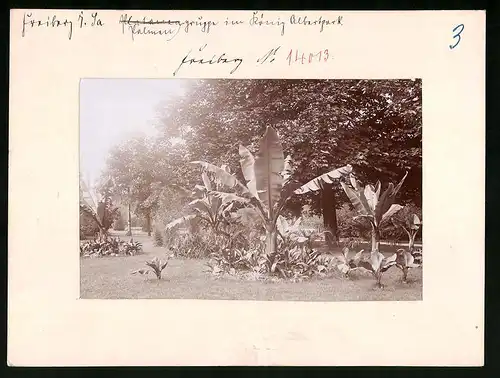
x: 101, y: 246
x: 227, y: 261
x: 88, y: 225
x: 195, y: 244
x: 158, y: 238
x: 109, y: 246
x: 293, y: 259
x: 296, y: 263
x: 131, y: 248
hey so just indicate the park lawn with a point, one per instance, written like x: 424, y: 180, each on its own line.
x: 110, y: 278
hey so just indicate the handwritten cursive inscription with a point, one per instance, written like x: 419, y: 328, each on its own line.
x: 269, y: 56
x: 215, y: 59
x: 303, y: 20
x: 258, y: 19
x: 93, y: 21
x: 171, y: 28
x: 167, y: 28
x: 29, y: 22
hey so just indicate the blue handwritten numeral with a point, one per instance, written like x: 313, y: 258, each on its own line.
x: 456, y: 36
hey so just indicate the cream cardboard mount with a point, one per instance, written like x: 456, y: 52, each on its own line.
x: 52, y: 51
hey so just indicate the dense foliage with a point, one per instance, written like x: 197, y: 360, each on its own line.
x: 374, y: 125
x: 250, y: 210
x: 109, y: 246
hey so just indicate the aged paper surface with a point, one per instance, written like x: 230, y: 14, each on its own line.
x: 52, y: 50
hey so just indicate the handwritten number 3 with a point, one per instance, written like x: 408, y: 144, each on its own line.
x: 460, y: 29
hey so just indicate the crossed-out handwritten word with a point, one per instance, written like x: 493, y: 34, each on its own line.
x: 170, y: 28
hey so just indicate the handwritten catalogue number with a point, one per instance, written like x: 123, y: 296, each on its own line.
x: 299, y: 57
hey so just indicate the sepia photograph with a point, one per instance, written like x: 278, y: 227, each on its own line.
x: 271, y: 171
x: 251, y: 189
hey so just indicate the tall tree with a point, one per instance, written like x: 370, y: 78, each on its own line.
x: 143, y: 169
x: 373, y: 124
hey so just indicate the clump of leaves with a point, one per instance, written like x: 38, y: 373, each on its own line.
x: 417, y: 255
x: 291, y: 234
x: 377, y: 264
x: 230, y: 259
x: 101, y: 246
x: 158, y: 238
x: 294, y: 258
x: 205, y: 206
x: 253, y: 260
x: 155, y: 266
x: 131, y: 248
x: 373, y: 206
x: 297, y: 263
x: 225, y: 261
x: 196, y: 245
x: 108, y: 246
x: 406, y: 260
x: 411, y: 224
x: 345, y: 264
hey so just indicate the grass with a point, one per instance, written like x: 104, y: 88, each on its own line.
x: 110, y: 278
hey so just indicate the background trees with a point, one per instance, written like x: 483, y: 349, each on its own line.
x: 374, y: 125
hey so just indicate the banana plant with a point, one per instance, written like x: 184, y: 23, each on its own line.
x: 210, y: 208
x: 155, y: 266
x: 268, y: 182
x: 411, y: 225
x: 345, y: 264
x: 369, y: 204
x: 405, y: 260
x: 88, y: 205
x: 377, y: 264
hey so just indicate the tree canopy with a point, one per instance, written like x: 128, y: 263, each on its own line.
x: 374, y: 125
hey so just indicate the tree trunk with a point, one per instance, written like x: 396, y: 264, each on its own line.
x: 148, y: 222
x: 378, y: 277
x: 411, y: 243
x: 329, y: 214
x: 129, y: 222
x: 271, y: 241
x: 375, y: 239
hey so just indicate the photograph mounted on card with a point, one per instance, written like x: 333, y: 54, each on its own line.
x: 235, y: 166
x: 302, y: 203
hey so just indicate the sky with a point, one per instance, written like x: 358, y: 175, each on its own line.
x: 113, y: 110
